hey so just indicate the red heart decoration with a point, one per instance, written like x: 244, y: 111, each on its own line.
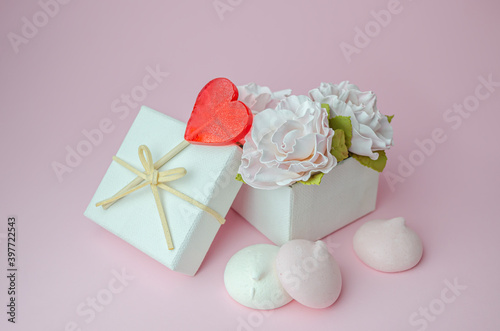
x: 218, y: 118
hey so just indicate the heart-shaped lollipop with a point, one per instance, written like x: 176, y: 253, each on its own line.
x: 218, y: 118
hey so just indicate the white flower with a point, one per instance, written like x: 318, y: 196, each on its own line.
x: 258, y: 98
x: 371, y: 131
x: 287, y: 144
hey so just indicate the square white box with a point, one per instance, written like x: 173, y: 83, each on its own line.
x: 311, y: 212
x: 210, y: 180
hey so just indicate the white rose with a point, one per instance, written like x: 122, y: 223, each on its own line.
x: 258, y: 98
x: 287, y: 144
x: 371, y: 131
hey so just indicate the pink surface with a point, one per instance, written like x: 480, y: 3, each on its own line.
x: 69, y: 76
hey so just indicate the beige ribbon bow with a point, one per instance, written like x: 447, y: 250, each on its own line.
x: 156, y: 179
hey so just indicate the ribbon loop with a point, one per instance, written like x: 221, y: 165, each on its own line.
x: 171, y: 175
x: 146, y: 159
x: 156, y: 179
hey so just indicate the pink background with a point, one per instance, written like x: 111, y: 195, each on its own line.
x: 65, y: 78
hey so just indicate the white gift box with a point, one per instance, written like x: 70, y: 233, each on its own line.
x: 312, y: 212
x: 210, y: 180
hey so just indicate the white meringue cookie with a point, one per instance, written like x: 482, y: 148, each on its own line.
x: 252, y: 280
x: 388, y: 246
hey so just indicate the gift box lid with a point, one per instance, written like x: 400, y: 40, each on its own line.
x: 135, y: 218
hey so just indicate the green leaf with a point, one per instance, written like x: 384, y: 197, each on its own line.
x: 239, y: 178
x: 327, y: 107
x: 377, y: 165
x: 339, y: 148
x: 314, y: 179
x: 389, y: 118
x: 343, y: 123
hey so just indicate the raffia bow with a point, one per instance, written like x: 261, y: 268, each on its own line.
x: 151, y: 176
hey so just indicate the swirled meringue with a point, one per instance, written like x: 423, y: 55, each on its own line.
x: 388, y: 246
x: 252, y: 280
x: 309, y: 273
